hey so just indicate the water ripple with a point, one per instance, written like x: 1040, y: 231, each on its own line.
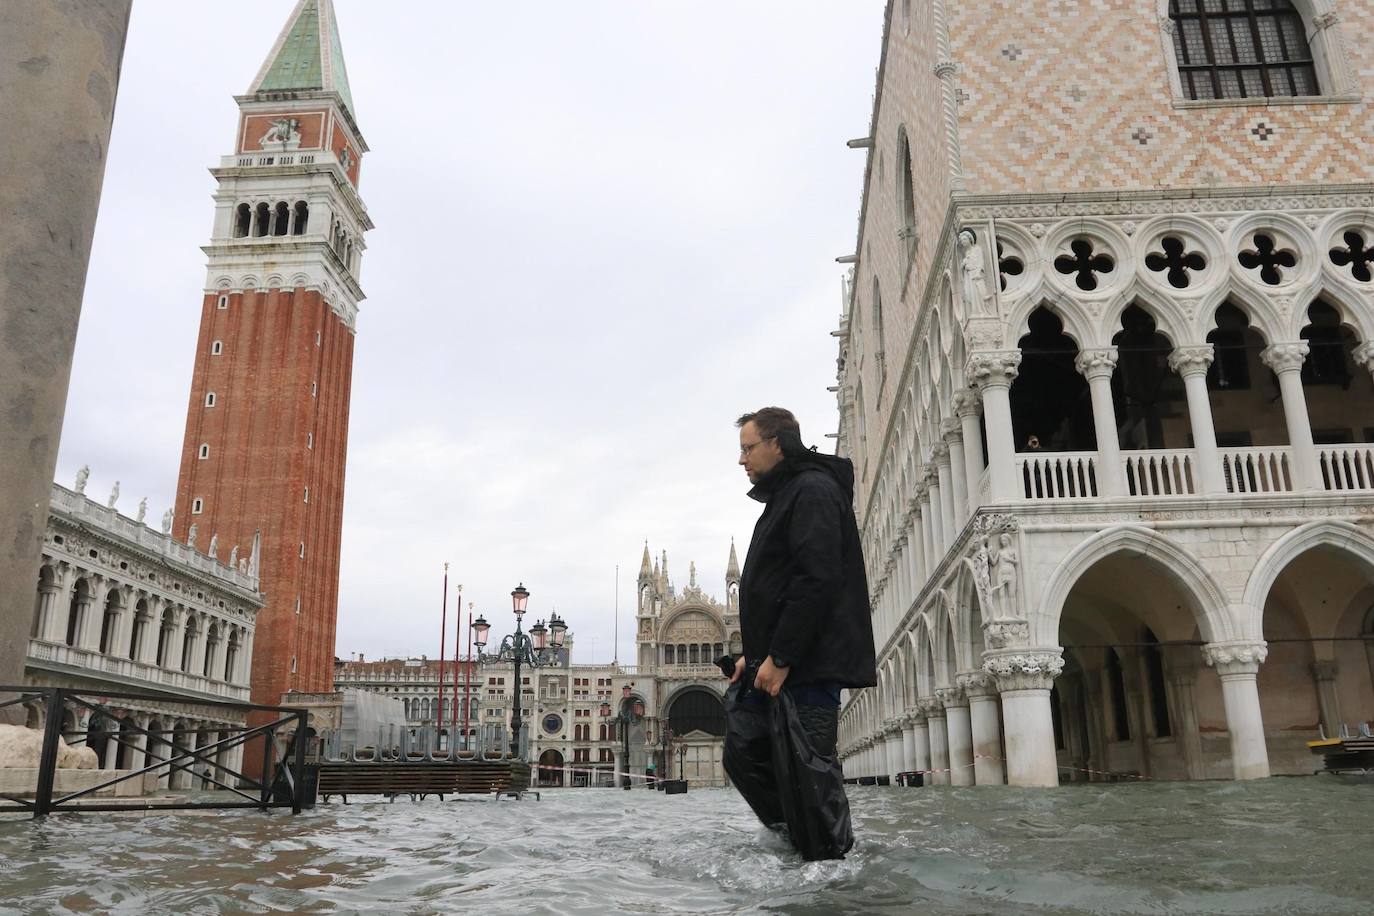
x: 1275, y: 846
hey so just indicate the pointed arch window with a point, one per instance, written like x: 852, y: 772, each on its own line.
x: 1239, y: 49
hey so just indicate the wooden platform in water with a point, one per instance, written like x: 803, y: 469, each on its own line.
x: 1345, y: 755
x: 421, y: 777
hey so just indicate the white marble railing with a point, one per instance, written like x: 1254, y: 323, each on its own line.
x: 1266, y: 469
x: 1057, y: 475
x: 98, y: 663
x: 107, y: 519
x: 1160, y: 472
x: 1347, y: 467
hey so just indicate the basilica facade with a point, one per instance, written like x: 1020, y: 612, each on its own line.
x: 1105, y: 374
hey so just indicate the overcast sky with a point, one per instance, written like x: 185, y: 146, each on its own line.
x: 604, y: 230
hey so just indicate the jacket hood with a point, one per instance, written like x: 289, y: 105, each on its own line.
x: 797, y: 458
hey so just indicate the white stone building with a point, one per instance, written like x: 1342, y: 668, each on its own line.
x: 121, y: 607
x: 1105, y: 376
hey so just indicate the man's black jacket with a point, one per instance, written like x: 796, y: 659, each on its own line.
x: 803, y: 593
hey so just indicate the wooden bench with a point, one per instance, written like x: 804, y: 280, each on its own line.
x: 421, y: 778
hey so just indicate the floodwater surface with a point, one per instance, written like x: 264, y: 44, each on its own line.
x: 1273, y: 846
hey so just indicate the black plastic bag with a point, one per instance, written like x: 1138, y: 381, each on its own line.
x: 770, y: 758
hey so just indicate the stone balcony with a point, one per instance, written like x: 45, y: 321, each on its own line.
x: 123, y: 673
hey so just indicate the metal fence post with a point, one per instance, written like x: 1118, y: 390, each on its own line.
x: 47, y: 763
x: 298, y: 762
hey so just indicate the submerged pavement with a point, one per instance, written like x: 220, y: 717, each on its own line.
x: 1298, y: 845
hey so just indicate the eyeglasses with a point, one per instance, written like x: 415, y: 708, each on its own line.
x: 746, y: 449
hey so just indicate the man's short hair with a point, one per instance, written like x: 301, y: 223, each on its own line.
x: 770, y: 421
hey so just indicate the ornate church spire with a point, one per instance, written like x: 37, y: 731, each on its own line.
x: 307, y: 56
x: 732, y: 568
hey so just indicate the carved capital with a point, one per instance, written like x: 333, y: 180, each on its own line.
x: 993, y: 368
x: 931, y: 707
x: 977, y: 684
x: 1326, y: 20
x: 951, y: 429
x: 1188, y: 361
x: 1285, y: 357
x: 939, y: 453
x: 951, y: 696
x: 1033, y: 670
x: 945, y: 69
x: 1166, y: 25
x: 1096, y: 363
x: 968, y: 403
x: 1237, y: 657
x: 1325, y: 669
x: 1003, y: 634
x: 1364, y: 355
x: 915, y: 717
x: 894, y: 726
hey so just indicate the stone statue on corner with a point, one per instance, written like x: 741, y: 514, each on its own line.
x: 142, y: 510
x: 977, y: 301
x: 82, y: 476
x: 167, y: 522
x: 191, y: 536
x: 114, y: 495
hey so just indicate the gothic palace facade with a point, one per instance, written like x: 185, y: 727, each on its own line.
x: 1105, y: 374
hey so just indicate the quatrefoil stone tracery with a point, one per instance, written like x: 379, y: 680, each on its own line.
x: 1358, y: 255
x: 1176, y: 262
x: 1084, y: 264
x: 1269, y: 258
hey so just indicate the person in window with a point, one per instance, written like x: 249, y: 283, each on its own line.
x: 1033, y: 443
x: 805, y: 625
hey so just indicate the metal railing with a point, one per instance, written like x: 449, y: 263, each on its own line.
x: 280, y: 785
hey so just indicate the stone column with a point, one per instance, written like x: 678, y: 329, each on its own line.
x: 1324, y: 671
x: 138, y: 754
x: 147, y: 653
x: 968, y: 407
x: 943, y: 474
x: 958, y: 471
x: 49, y: 627
x: 939, y: 742
x: 916, y: 551
x: 1182, y: 676
x: 1237, y: 664
x: 1098, y: 366
x: 939, y: 532
x: 176, y: 639
x: 1192, y: 363
x: 894, y: 748
x: 921, y: 741
x: 927, y: 530
x: 1024, y: 677
x: 1286, y: 360
x: 59, y: 69
x: 246, y: 662
x: 992, y: 372
x: 909, y: 743
x: 985, y: 720
x: 960, y: 735
x: 88, y: 614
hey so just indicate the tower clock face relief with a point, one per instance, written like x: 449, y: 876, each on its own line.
x: 553, y: 724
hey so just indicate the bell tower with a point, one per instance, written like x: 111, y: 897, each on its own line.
x: 267, y: 423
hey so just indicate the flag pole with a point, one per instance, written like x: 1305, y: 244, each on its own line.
x: 467, y: 682
x: 615, y: 647
x: 457, y: 637
x: 443, y: 631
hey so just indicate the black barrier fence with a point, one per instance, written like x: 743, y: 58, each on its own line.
x: 281, y: 782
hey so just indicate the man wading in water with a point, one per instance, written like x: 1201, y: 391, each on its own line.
x: 806, y: 632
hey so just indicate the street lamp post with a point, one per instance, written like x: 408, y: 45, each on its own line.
x: 538, y: 649
x: 630, y: 712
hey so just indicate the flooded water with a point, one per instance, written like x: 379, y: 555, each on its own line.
x: 1274, y: 846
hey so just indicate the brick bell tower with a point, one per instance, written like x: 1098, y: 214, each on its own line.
x: 267, y: 424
